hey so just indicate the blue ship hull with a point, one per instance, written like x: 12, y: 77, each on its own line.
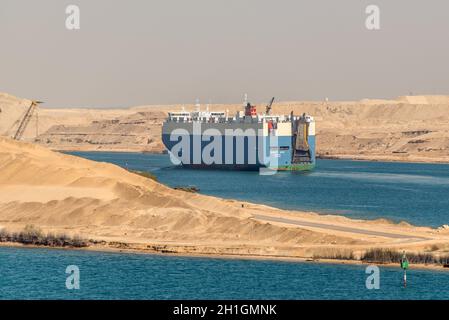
x: 277, y: 156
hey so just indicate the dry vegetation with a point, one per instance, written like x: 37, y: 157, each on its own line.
x: 32, y: 235
x: 382, y: 256
x: 338, y: 254
x: 392, y: 256
x: 145, y: 174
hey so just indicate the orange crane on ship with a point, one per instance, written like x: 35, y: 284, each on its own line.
x: 269, y: 106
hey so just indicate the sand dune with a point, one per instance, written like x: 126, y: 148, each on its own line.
x: 63, y: 193
x: 409, y: 128
x: 57, y: 191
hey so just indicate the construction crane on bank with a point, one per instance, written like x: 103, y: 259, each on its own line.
x: 26, y: 120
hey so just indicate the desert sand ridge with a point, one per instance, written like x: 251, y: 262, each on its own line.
x: 409, y: 128
x: 62, y: 193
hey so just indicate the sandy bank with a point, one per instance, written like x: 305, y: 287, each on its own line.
x: 409, y: 129
x: 65, y: 194
x: 131, y: 250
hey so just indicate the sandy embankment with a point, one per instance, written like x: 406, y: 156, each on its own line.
x: 411, y: 128
x: 67, y: 194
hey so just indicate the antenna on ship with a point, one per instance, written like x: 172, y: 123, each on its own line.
x: 197, y: 104
x: 245, y: 99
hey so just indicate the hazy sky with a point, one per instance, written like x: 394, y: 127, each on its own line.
x: 171, y: 51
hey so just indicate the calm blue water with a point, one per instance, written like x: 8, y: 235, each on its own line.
x: 416, y: 193
x: 40, y: 274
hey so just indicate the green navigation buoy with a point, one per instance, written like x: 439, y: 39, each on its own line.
x: 404, y: 266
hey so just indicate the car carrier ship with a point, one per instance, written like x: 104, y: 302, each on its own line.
x: 245, y: 141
